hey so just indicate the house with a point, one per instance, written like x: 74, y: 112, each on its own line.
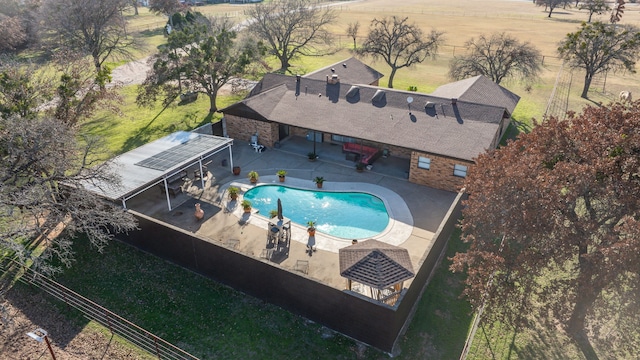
x: 441, y: 133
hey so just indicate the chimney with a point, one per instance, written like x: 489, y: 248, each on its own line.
x: 454, y: 101
x: 297, y: 85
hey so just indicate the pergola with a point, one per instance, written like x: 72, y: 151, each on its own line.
x: 381, y: 266
x: 157, y: 162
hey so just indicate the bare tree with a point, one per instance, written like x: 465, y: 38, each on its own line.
x: 399, y: 44
x: 599, y: 47
x: 597, y: 7
x: 17, y: 24
x: 352, y: 31
x: 291, y: 28
x: 93, y: 27
x: 553, y: 4
x: 497, y: 57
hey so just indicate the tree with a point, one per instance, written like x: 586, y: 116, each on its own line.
x: 497, y: 57
x: 93, y: 27
x: 17, y: 25
x: 599, y: 47
x: 352, y: 32
x: 202, y: 57
x: 42, y: 200
x: 597, y: 7
x: 552, y: 222
x: 399, y: 44
x: 44, y: 161
x: 292, y: 28
x: 553, y: 4
x: 167, y: 8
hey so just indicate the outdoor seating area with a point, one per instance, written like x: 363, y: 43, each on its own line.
x: 174, y: 184
x: 364, y: 154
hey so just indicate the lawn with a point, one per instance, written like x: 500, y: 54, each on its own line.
x: 213, y: 321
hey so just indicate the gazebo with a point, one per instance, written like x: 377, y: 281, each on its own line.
x: 380, y: 266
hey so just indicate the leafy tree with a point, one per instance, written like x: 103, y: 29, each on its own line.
x: 599, y: 47
x: 552, y: 223
x: 92, y: 27
x: 553, y: 4
x: 597, y: 7
x: 352, y: 32
x: 202, y: 57
x: 167, y: 8
x: 291, y: 28
x: 22, y: 90
x: 497, y: 57
x: 399, y: 43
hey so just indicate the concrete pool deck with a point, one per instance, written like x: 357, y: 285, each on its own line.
x: 397, y: 231
x: 222, y: 226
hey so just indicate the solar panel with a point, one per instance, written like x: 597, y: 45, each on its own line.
x: 179, y: 154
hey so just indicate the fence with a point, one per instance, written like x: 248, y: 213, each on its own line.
x: 115, y: 323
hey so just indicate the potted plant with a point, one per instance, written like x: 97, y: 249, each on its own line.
x: 246, y: 205
x: 236, y: 170
x: 360, y: 167
x: 253, y: 176
x: 281, y: 174
x: 312, y: 156
x: 273, y: 213
x: 319, y: 180
x: 311, y: 228
x: 233, y: 192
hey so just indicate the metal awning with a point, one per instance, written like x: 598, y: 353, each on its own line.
x: 155, y: 162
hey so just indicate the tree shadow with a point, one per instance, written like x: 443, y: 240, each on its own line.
x: 144, y: 134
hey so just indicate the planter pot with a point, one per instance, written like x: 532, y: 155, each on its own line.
x: 281, y: 178
x: 253, y: 181
x: 236, y: 170
x: 359, y: 170
x: 199, y: 213
x: 319, y: 185
x: 311, y: 232
x: 247, y: 210
x: 234, y: 196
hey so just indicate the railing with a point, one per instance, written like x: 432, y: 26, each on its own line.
x: 138, y: 336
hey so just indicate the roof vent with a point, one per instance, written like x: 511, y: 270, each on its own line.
x: 344, y: 65
x: 353, y: 91
x: 333, y: 70
x: 378, y: 96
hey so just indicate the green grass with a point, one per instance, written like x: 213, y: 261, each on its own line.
x: 213, y: 321
x: 197, y: 314
x: 139, y: 125
x: 440, y: 325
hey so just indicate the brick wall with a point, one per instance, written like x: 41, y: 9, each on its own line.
x: 440, y: 175
x: 241, y: 129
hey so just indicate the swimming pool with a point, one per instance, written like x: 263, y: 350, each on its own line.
x: 348, y: 215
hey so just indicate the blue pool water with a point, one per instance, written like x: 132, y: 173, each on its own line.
x: 348, y: 215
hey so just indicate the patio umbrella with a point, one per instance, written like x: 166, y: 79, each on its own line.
x: 280, y: 209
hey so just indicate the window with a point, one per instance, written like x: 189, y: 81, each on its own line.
x: 424, y: 162
x: 340, y: 138
x: 460, y: 170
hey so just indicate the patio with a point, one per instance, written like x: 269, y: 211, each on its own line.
x: 248, y: 234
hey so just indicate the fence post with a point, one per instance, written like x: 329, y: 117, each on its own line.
x: 155, y: 342
x: 106, y: 314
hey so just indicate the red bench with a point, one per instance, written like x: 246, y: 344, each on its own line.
x: 367, y: 153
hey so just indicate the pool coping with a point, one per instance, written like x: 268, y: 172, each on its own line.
x: 398, y: 230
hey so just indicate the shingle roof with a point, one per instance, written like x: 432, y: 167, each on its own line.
x: 462, y: 131
x: 351, y: 71
x: 376, y: 264
x: 479, y: 89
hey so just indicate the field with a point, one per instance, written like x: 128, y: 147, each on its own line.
x: 438, y: 330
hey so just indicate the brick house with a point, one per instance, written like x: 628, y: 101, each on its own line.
x: 441, y: 133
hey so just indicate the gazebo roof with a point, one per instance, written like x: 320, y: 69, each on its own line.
x: 375, y: 263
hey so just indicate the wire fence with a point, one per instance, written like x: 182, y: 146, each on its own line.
x: 133, y: 333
